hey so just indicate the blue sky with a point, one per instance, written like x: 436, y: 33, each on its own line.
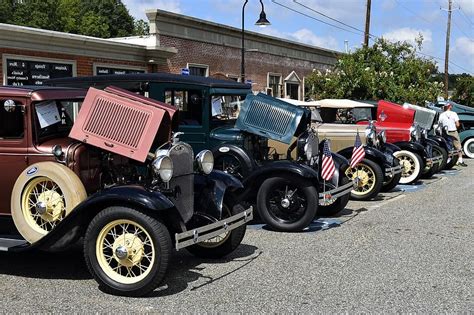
x: 392, y: 19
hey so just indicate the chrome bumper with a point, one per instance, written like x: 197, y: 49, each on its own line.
x: 433, y: 160
x: 453, y: 152
x: 337, y: 192
x: 390, y: 171
x: 209, y: 231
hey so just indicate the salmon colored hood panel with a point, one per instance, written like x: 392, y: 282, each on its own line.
x: 120, y: 122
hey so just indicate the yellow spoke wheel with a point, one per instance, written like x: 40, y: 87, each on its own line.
x: 367, y: 178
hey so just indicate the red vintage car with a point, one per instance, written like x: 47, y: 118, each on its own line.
x: 419, y: 156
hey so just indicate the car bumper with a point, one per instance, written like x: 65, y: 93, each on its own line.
x: 391, y: 171
x: 430, y: 161
x: 337, y: 192
x: 209, y: 231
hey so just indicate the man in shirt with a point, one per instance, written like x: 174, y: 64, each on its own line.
x: 451, y: 120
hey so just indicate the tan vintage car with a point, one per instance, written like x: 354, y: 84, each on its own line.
x: 379, y: 170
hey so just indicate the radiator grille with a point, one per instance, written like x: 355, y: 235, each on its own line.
x: 269, y: 118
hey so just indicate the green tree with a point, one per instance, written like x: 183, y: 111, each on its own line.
x: 464, y: 92
x: 385, y: 70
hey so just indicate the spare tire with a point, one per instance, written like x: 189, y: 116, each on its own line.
x: 43, y: 195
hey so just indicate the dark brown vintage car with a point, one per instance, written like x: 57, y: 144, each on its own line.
x: 116, y: 178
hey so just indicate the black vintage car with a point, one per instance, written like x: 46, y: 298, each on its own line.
x: 288, y: 193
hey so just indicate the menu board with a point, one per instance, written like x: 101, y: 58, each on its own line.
x: 27, y: 72
x: 107, y: 70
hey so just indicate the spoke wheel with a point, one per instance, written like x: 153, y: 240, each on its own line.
x: 411, y: 164
x: 287, y: 203
x: 368, y: 179
x: 127, y: 251
x: 43, y: 195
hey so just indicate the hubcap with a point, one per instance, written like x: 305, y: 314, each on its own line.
x: 408, y: 165
x: 364, y: 178
x: 285, y: 203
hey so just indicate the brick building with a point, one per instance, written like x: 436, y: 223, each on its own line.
x: 273, y: 65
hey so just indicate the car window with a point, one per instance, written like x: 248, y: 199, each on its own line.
x: 55, y: 117
x: 11, y: 120
x: 226, y: 107
x: 189, y: 103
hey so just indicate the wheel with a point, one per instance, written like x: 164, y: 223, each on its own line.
x: 452, y: 162
x: 43, y: 195
x: 337, y: 205
x: 469, y: 148
x: 287, y: 202
x: 442, y: 151
x: 368, y: 178
x: 411, y: 164
x: 232, y: 164
x: 390, y: 184
x: 127, y: 251
x: 428, y: 172
x: 222, y: 244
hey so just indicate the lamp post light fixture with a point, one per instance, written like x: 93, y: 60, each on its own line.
x: 262, y: 22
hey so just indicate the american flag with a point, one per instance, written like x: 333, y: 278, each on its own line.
x: 328, y: 168
x: 358, y: 153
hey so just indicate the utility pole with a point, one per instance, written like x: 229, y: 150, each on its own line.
x: 367, y: 24
x: 446, y: 57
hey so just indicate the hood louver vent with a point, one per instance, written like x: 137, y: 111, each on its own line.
x: 118, y: 124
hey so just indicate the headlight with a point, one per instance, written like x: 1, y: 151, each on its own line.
x: 163, y: 166
x: 205, y: 161
x: 424, y: 133
x: 383, y: 136
x: 370, y: 136
x: 57, y: 150
x: 414, y: 133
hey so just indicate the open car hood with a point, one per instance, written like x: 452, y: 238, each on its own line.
x: 424, y: 117
x: 122, y: 122
x: 272, y: 118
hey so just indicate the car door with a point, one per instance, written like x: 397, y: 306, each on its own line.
x: 13, y: 147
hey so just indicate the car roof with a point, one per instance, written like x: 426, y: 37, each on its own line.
x: 146, y: 77
x: 38, y: 92
x: 342, y: 103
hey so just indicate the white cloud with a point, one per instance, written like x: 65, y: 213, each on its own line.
x: 464, y: 48
x: 409, y: 35
x: 466, y: 5
x: 137, y: 8
x: 304, y: 36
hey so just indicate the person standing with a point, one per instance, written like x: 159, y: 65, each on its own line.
x: 450, y: 119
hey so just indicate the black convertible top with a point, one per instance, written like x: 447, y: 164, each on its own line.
x: 136, y: 81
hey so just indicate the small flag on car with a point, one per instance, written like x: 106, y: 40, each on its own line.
x: 328, y: 167
x: 358, y: 153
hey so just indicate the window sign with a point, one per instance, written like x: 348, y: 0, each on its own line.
x: 28, y: 72
x: 108, y: 70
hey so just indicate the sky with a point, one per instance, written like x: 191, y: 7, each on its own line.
x: 297, y: 20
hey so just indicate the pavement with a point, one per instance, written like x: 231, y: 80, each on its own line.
x: 410, y: 250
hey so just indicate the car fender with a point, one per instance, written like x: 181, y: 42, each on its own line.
x: 411, y: 146
x: 440, y: 141
x: 74, y: 225
x: 236, y: 151
x: 466, y: 134
x: 391, y: 147
x: 371, y: 153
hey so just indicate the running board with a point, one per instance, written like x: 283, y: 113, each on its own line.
x: 7, y: 244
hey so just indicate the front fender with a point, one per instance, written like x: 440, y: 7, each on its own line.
x: 440, y: 141
x: 391, y: 147
x: 210, y: 192
x: 411, y: 146
x: 74, y: 225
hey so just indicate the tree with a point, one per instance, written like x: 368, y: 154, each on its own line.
x: 464, y: 92
x: 104, y: 18
x: 386, y: 70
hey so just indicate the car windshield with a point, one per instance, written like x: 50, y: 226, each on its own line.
x: 55, y: 117
x: 225, y: 108
x: 345, y: 115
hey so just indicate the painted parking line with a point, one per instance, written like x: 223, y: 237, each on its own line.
x: 411, y: 188
x: 448, y: 173
x: 379, y: 205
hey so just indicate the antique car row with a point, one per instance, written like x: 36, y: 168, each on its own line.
x: 109, y: 161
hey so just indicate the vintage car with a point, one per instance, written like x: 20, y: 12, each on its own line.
x: 379, y: 170
x: 419, y: 156
x: 99, y: 181
x: 466, y: 118
x: 288, y: 194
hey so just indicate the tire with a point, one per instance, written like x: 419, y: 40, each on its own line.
x: 394, y: 180
x: 412, y: 164
x: 451, y: 163
x: 338, y: 205
x: 138, y: 273
x: 444, y: 153
x: 298, y: 210
x: 221, y: 245
x: 468, y: 147
x: 43, y: 195
x: 371, y: 179
x: 429, y: 172
x: 232, y: 164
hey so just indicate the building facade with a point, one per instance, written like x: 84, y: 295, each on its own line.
x: 176, y: 44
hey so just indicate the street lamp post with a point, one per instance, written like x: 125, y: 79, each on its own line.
x: 262, y: 22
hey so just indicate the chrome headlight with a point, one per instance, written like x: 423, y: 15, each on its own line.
x: 163, y: 166
x: 382, y: 136
x: 414, y: 133
x: 205, y: 161
x: 370, y: 136
x: 424, y: 133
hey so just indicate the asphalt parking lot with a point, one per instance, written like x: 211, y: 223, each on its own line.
x: 411, y: 250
